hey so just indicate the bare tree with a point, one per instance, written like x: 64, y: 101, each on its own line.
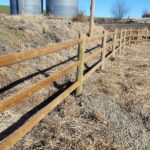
x: 119, y: 9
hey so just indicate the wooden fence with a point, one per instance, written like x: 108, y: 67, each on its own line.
x: 119, y: 40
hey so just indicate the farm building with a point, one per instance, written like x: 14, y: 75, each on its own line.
x: 146, y: 16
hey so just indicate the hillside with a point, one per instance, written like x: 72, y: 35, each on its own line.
x: 113, y: 111
x: 4, y: 9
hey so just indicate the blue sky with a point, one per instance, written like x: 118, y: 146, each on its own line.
x: 103, y: 7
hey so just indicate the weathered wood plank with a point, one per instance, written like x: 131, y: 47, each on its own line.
x: 19, y: 57
x: 146, y: 35
x: 99, y: 51
x: 104, y: 51
x: 110, y: 34
x: 30, y: 123
x: 88, y: 39
x: 89, y: 73
x: 9, y: 102
x: 130, y: 36
x: 29, y: 54
x: 80, y: 69
x: 114, y: 43
x: 124, y: 43
x: 138, y: 33
x: 121, y: 38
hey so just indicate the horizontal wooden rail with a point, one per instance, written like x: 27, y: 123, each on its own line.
x: 94, y: 54
x: 109, y: 45
x: 118, y: 32
x: 134, y: 30
x: 94, y: 38
x: 88, y: 74
x: 30, y: 54
x: 119, y: 39
x: 110, y: 55
x: 143, y: 31
x: 10, y: 59
x: 28, y: 125
x: 9, y: 102
x: 128, y: 36
x: 110, y: 34
x: 139, y: 40
x: 99, y: 51
x: 135, y: 35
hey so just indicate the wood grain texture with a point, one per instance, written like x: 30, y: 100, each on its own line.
x: 8, y: 142
x: 7, y: 103
x: 31, y: 122
x: 30, y: 54
x: 114, y: 43
x: 80, y: 69
x: 94, y: 38
x: 104, y: 51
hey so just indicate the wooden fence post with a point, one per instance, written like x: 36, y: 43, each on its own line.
x: 146, y: 35
x: 114, y: 43
x: 130, y: 36
x: 104, y: 49
x: 121, y: 36
x: 80, y: 69
x: 124, y: 44
x: 143, y: 35
x: 103, y: 32
x: 137, y: 35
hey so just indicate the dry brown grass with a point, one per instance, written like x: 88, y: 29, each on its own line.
x: 80, y: 17
x: 70, y: 125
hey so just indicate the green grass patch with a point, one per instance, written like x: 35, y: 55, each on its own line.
x: 4, y: 9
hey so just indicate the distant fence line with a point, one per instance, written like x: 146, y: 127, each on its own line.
x: 109, y: 49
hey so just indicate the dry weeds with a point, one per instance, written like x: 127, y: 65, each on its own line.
x: 78, y: 123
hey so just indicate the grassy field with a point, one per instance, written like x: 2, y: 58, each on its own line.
x: 4, y: 9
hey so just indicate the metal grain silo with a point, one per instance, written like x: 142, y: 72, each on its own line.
x: 20, y: 7
x: 13, y: 7
x: 62, y: 8
x: 30, y: 7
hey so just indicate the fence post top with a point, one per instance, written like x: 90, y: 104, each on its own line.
x: 105, y: 32
x: 82, y: 35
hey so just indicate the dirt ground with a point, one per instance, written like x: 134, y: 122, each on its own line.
x: 112, y: 113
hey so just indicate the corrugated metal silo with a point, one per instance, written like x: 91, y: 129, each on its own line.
x: 62, y: 8
x: 13, y: 7
x: 27, y: 7
x: 32, y: 7
x: 20, y: 7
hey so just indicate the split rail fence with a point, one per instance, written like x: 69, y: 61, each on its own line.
x: 119, y: 40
